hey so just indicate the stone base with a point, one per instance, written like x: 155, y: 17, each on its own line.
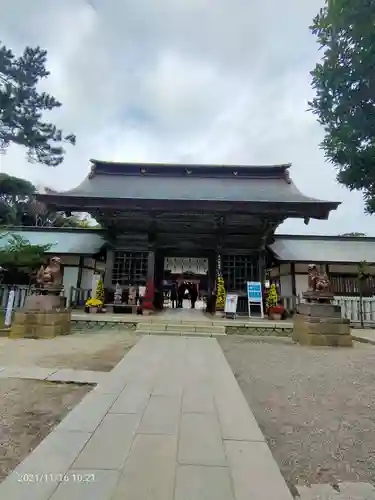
x: 40, y: 324
x: 325, y: 297
x: 4, y: 332
x: 44, y: 303
x: 321, y: 325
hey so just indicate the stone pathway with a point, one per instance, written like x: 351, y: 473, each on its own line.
x: 365, y: 335
x: 343, y: 491
x: 168, y: 423
x: 54, y: 374
x: 184, y: 314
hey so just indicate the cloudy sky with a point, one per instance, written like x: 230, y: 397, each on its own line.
x: 199, y: 81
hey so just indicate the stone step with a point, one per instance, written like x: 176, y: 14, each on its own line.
x: 146, y: 331
x: 177, y: 322
x: 182, y: 328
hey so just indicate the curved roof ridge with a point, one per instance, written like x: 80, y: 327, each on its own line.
x: 189, y: 165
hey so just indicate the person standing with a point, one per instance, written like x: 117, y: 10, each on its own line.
x: 193, y: 295
x: 180, y: 295
x: 174, y: 295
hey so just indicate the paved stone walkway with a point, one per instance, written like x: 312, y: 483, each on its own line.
x: 169, y: 423
x: 365, y: 335
x: 53, y: 374
x: 184, y: 314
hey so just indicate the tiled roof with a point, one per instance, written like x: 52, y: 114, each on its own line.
x: 78, y: 242
x: 325, y: 249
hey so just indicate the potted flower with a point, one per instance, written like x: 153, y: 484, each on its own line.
x: 274, y: 311
x: 93, y: 305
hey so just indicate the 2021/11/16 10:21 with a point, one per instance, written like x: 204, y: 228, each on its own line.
x: 56, y: 478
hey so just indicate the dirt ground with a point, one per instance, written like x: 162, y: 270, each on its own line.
x: 99, y: 351
x: 316, y: 406
x: 30, y: 409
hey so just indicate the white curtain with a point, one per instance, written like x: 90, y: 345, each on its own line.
x: 179, y: 265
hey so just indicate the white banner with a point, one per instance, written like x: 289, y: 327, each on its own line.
x: 180, y: 265
x: 230, y: 306
x: 9, y: 309
x: 94, y: 284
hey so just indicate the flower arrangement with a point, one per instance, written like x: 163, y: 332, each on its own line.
x: 274, y: 310
x: 94, y: 303
x: 277, y: 310
x: 272, y: 297
x: 99, y: 294
x: 220, y: 297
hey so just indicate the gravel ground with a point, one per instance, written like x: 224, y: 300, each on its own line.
x: 29, y: 411
x: 314, y: 405
x: 99, y: 351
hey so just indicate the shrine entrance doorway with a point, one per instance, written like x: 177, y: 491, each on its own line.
x: 186, y: 273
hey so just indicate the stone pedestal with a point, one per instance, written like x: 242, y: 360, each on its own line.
x: 42, y: 317
x: 320, y: 324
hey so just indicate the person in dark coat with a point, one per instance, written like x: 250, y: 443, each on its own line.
x: 193, y: 295
x: 174, y: 295
x: 180, y: 295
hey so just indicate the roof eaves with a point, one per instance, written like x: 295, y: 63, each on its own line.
x: 328, y: 237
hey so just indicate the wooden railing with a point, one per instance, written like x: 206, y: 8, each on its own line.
x: 78, y: 296
x: 343, y: 286
x: 20, y: 294
x: 351, y: 308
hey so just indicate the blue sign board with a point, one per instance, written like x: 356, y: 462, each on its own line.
x: 254, y: 291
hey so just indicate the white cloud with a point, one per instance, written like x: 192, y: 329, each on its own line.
x: 182, y: 80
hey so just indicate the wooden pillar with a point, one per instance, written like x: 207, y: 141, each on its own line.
x: 261, y: 266
x: 326, y: 269
x: 218, y: 264
x: 211, y: 272
x: 293, y: 273
x: 109, y: 268
x: 148, y: 300
x: 81, y: 263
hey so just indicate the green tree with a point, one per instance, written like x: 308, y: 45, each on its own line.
x: 272, y: 298
x: 99, y: 292
x: 15, y: 197
x: 220, y: 294
x: 20, y: 259
x: 22, y: 107
x: 19, y: 207
x: 344, y: 82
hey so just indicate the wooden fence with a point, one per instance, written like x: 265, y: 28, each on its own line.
x: 351, y: 309
x: 76, y: 298
x: 20, y: 294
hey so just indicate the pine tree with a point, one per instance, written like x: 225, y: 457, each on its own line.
x: 343, y: 81
x: 99, y: 294
x: 272, y: 298
x: 220, y: 296
x: 23, y: 107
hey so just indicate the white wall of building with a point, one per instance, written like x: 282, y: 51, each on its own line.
x: 286, y: 289
x: 87, y: 276
x: 302, y: 281
x: 69, y: 260
x: 70, y: 278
